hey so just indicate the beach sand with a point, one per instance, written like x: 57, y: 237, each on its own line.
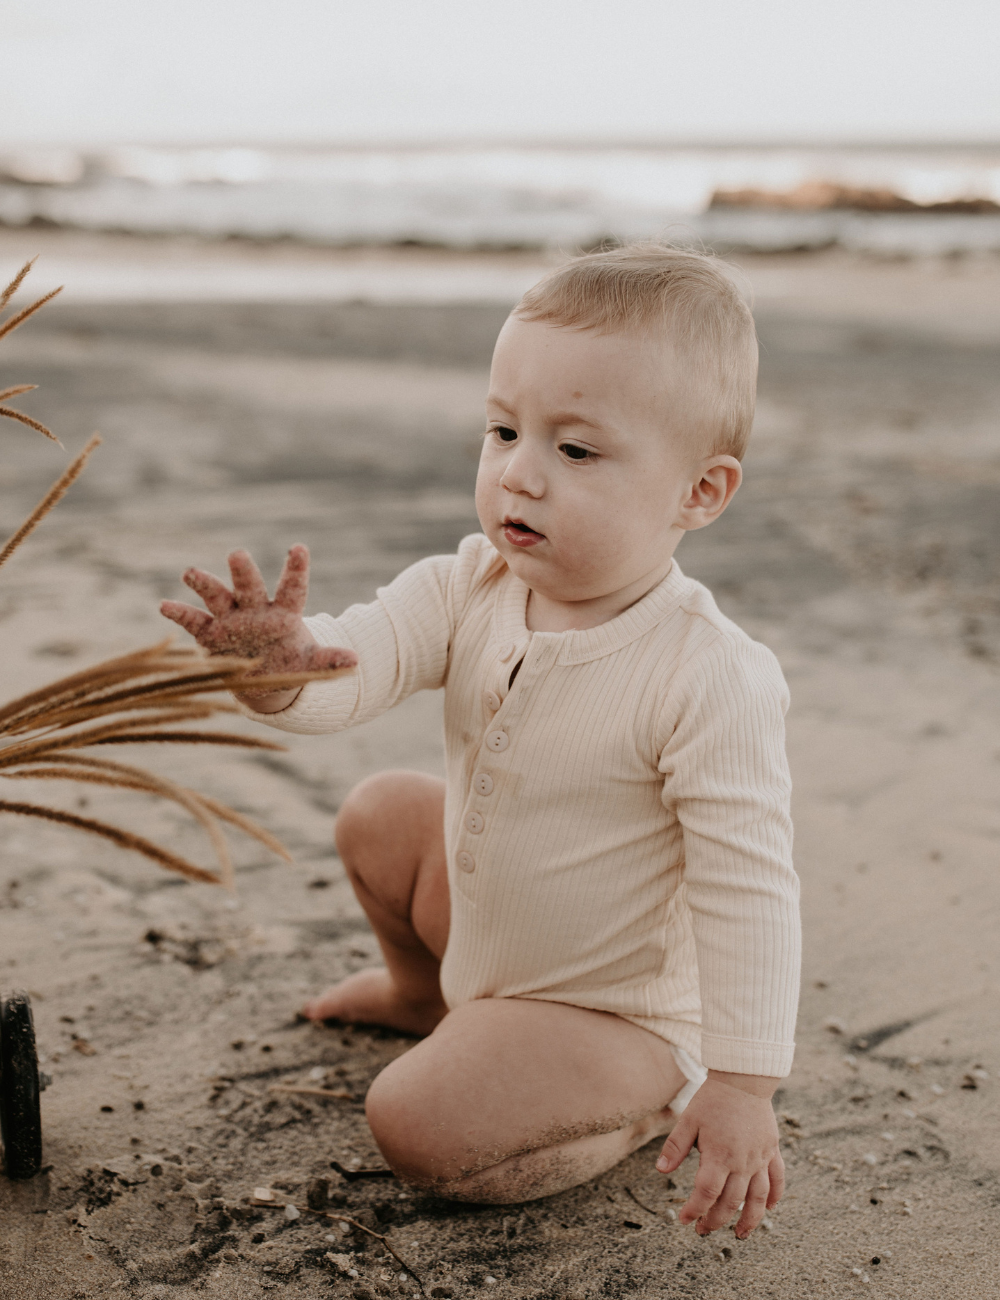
x: 864, y: 549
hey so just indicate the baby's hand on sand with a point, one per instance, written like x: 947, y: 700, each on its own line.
x: 732, y: 1120
x: 245, y: 622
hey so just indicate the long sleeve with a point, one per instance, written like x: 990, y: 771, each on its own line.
x: 402, y: 640
x: 726, y: 779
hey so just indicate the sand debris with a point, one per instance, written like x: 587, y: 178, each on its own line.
x: 342, y: 1263
x: 297, y: 1090
x: 318, y: 1193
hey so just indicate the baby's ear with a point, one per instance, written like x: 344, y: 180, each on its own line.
x: 717, y: 484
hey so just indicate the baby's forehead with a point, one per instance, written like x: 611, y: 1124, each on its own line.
x: 536, y: 358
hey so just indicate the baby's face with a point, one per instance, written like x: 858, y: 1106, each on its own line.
x: 587, y: 461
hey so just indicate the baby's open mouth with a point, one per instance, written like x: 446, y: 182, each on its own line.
x: 518, y: 532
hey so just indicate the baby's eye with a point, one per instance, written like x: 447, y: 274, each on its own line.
x: 574, y: 452
x: 505, y: 434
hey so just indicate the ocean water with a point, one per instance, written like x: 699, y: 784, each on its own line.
x: 506, y: 196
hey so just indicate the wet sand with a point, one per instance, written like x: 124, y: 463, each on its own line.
x: 864, y: 549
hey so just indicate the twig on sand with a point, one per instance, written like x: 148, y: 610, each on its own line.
x: 337, y: 1094
x: 346, y: 1218
x: 648, y: 1208
x: 351, y: 1175
x: 379, y: 1236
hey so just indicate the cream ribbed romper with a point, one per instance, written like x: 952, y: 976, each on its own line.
x: 616, y: 820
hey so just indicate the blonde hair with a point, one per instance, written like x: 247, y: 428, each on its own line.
x: 644, y: 288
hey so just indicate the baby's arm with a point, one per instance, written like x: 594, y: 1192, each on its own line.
x: 732, y: 1120
x: 726, y: 777
x: 245, y: 622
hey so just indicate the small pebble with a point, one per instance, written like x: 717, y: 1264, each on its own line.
x: 767, y: 1225
x: 317, y: 1072
x: 670, y: 1215
x: 907, y: 1113
x: 979, y: 1073
x: 491, y: 1281
x: 263, y: 1194
x: 870, y: 1158
x: 887, y: 1137
x: 851, y: 1061
x: 937, y: 1090
x: 835, y: 1025
x: 291, y: 1212
x: 914, y: 1062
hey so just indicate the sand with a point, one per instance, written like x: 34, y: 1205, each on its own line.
x: 864, y: 549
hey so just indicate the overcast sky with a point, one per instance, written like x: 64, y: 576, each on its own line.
x: 328, y: 70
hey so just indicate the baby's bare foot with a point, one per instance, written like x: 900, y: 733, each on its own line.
x: 370, y: 997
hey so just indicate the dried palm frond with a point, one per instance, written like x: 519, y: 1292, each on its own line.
x: 136, y: 698
x: 7, y: 327
x: 15, y: 284
x: 55, y: 493
x: 11, y: 323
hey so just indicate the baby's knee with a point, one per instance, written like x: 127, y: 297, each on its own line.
x: 413, y: 1135
x: 364, y: 809
x: 384, y: 807
x: 420, y: 1131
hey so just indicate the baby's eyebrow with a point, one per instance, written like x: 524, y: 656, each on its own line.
x: 573, y: 417
x: 558, y: 420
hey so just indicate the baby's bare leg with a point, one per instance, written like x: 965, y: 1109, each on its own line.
x: 511, y: 1099
x: 390, y: 836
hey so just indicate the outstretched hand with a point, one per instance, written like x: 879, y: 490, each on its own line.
x: 245, y: 622
x: 740, y: 1166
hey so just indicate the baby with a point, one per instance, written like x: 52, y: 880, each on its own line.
x: 592, y: 921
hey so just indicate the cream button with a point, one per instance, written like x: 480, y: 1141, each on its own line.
x: 493, y: 700
x: 497, y: 741
x: 467, y: 862
x: 482, y: 783
x: 474, y: 823
x: 507, y: 653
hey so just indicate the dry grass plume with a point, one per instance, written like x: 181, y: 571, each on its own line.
x: 147, y: 696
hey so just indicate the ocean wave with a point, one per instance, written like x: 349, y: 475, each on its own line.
x: 916, y: 200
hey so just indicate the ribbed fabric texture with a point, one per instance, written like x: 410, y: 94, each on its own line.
x: 616, y: 821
